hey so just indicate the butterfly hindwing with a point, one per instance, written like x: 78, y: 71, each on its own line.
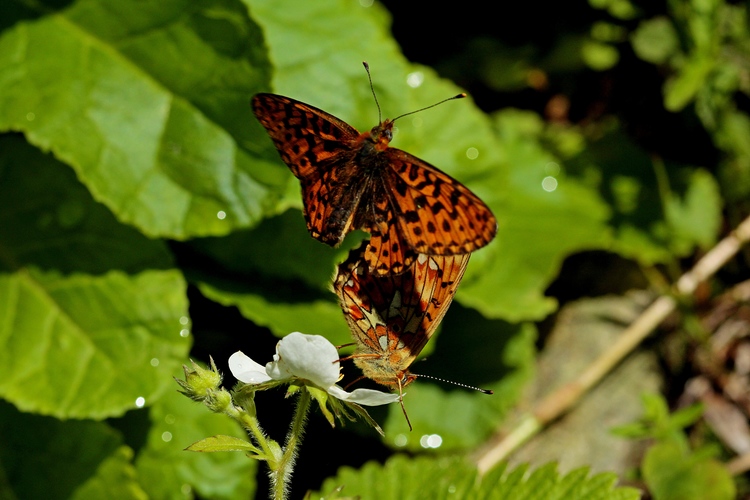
x: 389, y: 251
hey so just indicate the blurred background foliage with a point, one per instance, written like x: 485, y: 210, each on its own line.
x: 146, y: 218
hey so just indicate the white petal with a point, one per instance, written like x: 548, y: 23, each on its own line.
x: 367, y: 397
x: 246, y: 370
x: 310, y: 357
x: 277, y: 369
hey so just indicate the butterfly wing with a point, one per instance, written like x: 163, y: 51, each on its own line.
x: 392, y: 317
x: 317, y: 147
x: 436, y: 214
x: 389, y: 252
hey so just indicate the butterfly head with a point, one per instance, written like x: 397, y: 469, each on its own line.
x: 387, y: 375
x: 381, y: 135
x: 385, y: 371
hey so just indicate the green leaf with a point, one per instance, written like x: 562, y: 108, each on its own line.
x: 672, y: 473
x: 88, y: 346
x: 282, y: 314
x: 599, y: 56
x: 49, y: 219
x: 166, y: 145
x: 404, y: 479
x: 655, y: 40
x: 76, y: 457
x: 654, y: 206
x: 539, y: 225
x: 280, y: 248
x: 223, y: 443
x: 686, y: 416
x: 545, y: 482
x: 115, y: 479
x: 681, y: 89
x: 695, y: 217
x: 734, y: 175
x: 424, y: 477
x: 658, y: 423
x: 165, y: 467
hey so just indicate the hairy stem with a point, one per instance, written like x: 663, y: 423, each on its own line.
x: 283, y: 473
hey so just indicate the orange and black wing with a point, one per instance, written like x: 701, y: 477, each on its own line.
x: 422, y: 210
x: 392, y: 317
x: 317, y: 147
x: 437, y: 214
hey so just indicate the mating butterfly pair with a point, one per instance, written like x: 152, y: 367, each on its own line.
x: 395, y: 289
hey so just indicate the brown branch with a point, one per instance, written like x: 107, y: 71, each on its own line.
x: 563, y: 399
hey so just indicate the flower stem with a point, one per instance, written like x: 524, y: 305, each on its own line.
x: 283, y: 473
x: 250, y: 423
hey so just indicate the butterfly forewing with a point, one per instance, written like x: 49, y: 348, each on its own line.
x: 355, y: 181
x: 440, y: 215
x: 392, y: 317
x: 304, y: 135
x: 317, y: 148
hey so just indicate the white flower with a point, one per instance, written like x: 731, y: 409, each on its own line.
x: 309, y: 357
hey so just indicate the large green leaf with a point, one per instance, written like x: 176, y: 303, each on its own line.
x: 115, y: 479
x: 403, y: 478
x: 282, y: 314
x: 86, y: 346
x: 544, y: 216
x: 76, y: 457
x: 150, y: 106
x: 48, y: 219
x: 279, y: 249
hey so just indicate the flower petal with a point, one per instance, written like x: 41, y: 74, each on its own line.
x: 309, y: 357
x: 367, y: 397
x: 246, y: 370
x: 277, y: 369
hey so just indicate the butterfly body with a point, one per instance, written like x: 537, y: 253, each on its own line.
x: 392, y: 317
x: 352, y: 180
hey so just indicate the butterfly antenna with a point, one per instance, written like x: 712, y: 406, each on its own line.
x: 459, y: 96
x: 465, y: 386
x: 372, y: 88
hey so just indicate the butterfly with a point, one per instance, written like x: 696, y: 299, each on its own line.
x: 352, y: 180
x: 392, y: 317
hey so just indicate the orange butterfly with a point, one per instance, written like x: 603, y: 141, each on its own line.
x: 352, y: 180
x: 392, y: 317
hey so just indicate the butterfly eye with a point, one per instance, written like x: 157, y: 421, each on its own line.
x: 389, y: 135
